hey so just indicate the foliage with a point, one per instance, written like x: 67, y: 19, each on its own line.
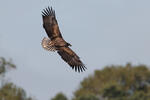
x: 11, y: 92
x: 60, y: 96
x: 111, y: 83
x: 5, y: 65
x: 87, y: 97
x: 117, y: 83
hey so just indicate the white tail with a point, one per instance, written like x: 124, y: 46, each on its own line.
x: 47, y: 45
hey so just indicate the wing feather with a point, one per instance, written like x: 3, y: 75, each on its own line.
x: 50, y: 23
x: 71, y: 58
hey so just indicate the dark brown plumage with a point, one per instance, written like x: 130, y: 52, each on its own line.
x: 55, y: 42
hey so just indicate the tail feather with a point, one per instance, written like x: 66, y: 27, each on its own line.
x: 47, y: 45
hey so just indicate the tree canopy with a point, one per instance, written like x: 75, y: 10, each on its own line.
x: 8, y: 90
x: 5, y: 65
x: 116, y: 82
x: 60, y: 96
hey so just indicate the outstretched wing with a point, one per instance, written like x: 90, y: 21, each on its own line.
x: 71, y: 58
x: 50, y: 23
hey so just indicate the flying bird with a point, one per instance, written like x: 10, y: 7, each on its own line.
x: 55, y: 41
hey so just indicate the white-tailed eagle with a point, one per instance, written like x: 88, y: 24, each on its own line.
x: 55, y: 41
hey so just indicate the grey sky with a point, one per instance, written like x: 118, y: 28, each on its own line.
x: 102, y: 32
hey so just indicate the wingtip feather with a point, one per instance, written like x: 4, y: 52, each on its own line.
x: 48, y: 11
x: 79, y: 68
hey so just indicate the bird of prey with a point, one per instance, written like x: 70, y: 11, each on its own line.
x: 55, y: 41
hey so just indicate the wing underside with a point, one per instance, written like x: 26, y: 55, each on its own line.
x: 50, y: 23
x: 72, y: 59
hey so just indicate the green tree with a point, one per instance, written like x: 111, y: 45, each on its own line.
x: 88, y: 97
x: 60, y: 96
x: 9, y: 91
x: 117, y: 83
x: 5, y: 65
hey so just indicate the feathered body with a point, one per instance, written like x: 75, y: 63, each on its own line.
x: 55, y: 41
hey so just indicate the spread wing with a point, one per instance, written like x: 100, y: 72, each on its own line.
x: 50, y: 23
x: 71, y: 58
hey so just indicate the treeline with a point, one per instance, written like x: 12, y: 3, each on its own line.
x: 8, y: 90
x: 116, y: 82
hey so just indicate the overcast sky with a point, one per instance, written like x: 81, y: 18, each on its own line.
x: 102, y: 32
